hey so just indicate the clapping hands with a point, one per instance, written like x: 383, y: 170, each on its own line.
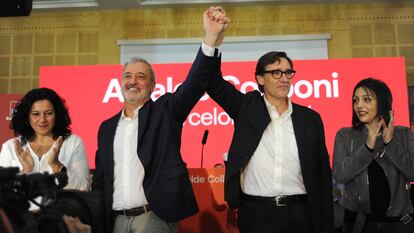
x: 54, y: 162
x: 387, y: 132
x: 24, y: 156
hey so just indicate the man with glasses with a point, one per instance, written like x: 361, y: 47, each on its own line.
x: 277, y: 169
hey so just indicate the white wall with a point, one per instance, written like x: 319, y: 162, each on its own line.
x: 298, y: 47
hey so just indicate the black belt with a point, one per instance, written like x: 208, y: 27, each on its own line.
x: 284, y: 200
x: 133, y: 212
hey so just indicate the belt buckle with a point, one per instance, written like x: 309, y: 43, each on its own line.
x: 145, y: 208
x: 124, y: 212
x: 278, y: 201
x: 406, y: 218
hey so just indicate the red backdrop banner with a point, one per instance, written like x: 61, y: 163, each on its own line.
x: 214, y: 215
x: 7, y: 104
x: 93, y: 94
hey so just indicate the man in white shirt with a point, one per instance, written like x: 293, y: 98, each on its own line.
x: 277, y: 169
x: 139, y: 169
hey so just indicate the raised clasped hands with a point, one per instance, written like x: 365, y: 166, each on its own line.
x: 215, y: 23
x: 53, y: 161
x: 387, y: 132
x: 24, y: 156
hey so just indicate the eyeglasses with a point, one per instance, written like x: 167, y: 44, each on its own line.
x: 277, y: 74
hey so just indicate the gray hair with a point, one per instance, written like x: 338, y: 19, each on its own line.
x: 142, y: 60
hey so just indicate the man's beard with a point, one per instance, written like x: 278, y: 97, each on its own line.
x: 141, y: 96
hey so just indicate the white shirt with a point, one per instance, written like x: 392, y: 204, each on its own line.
x: 274, y: 169
x: 208, y: 50
x: 72, y: 155
x: 128, y: 170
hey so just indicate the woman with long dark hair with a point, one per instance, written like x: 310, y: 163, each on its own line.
x: 375, y: 161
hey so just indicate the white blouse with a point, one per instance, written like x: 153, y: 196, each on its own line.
x: 72, y: 155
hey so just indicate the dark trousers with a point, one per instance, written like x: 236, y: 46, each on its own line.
x: 264, y: 218
x: 382, y: 227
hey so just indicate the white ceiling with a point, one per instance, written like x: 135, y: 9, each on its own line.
x: 130, y: 4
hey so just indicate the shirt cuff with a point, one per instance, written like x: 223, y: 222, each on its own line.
x: 207, y: 50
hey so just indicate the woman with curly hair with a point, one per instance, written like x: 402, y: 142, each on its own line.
x: 44, y: 141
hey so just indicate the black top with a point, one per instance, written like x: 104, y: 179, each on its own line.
x: 379, y: 195
x: 379, y: 191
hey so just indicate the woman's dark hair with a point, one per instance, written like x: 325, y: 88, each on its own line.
x: 20, y: 120
x: 382, y: 94
x: 267, y: 59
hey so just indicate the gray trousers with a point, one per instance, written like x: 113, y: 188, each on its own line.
x: 144, y: 223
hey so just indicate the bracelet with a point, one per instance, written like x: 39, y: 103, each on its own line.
x: 63, y: 169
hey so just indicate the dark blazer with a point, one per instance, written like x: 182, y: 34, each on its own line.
x: 251, y: 118
x: 166, y: 183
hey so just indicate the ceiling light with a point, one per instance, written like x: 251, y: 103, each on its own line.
x: 64, y: 4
